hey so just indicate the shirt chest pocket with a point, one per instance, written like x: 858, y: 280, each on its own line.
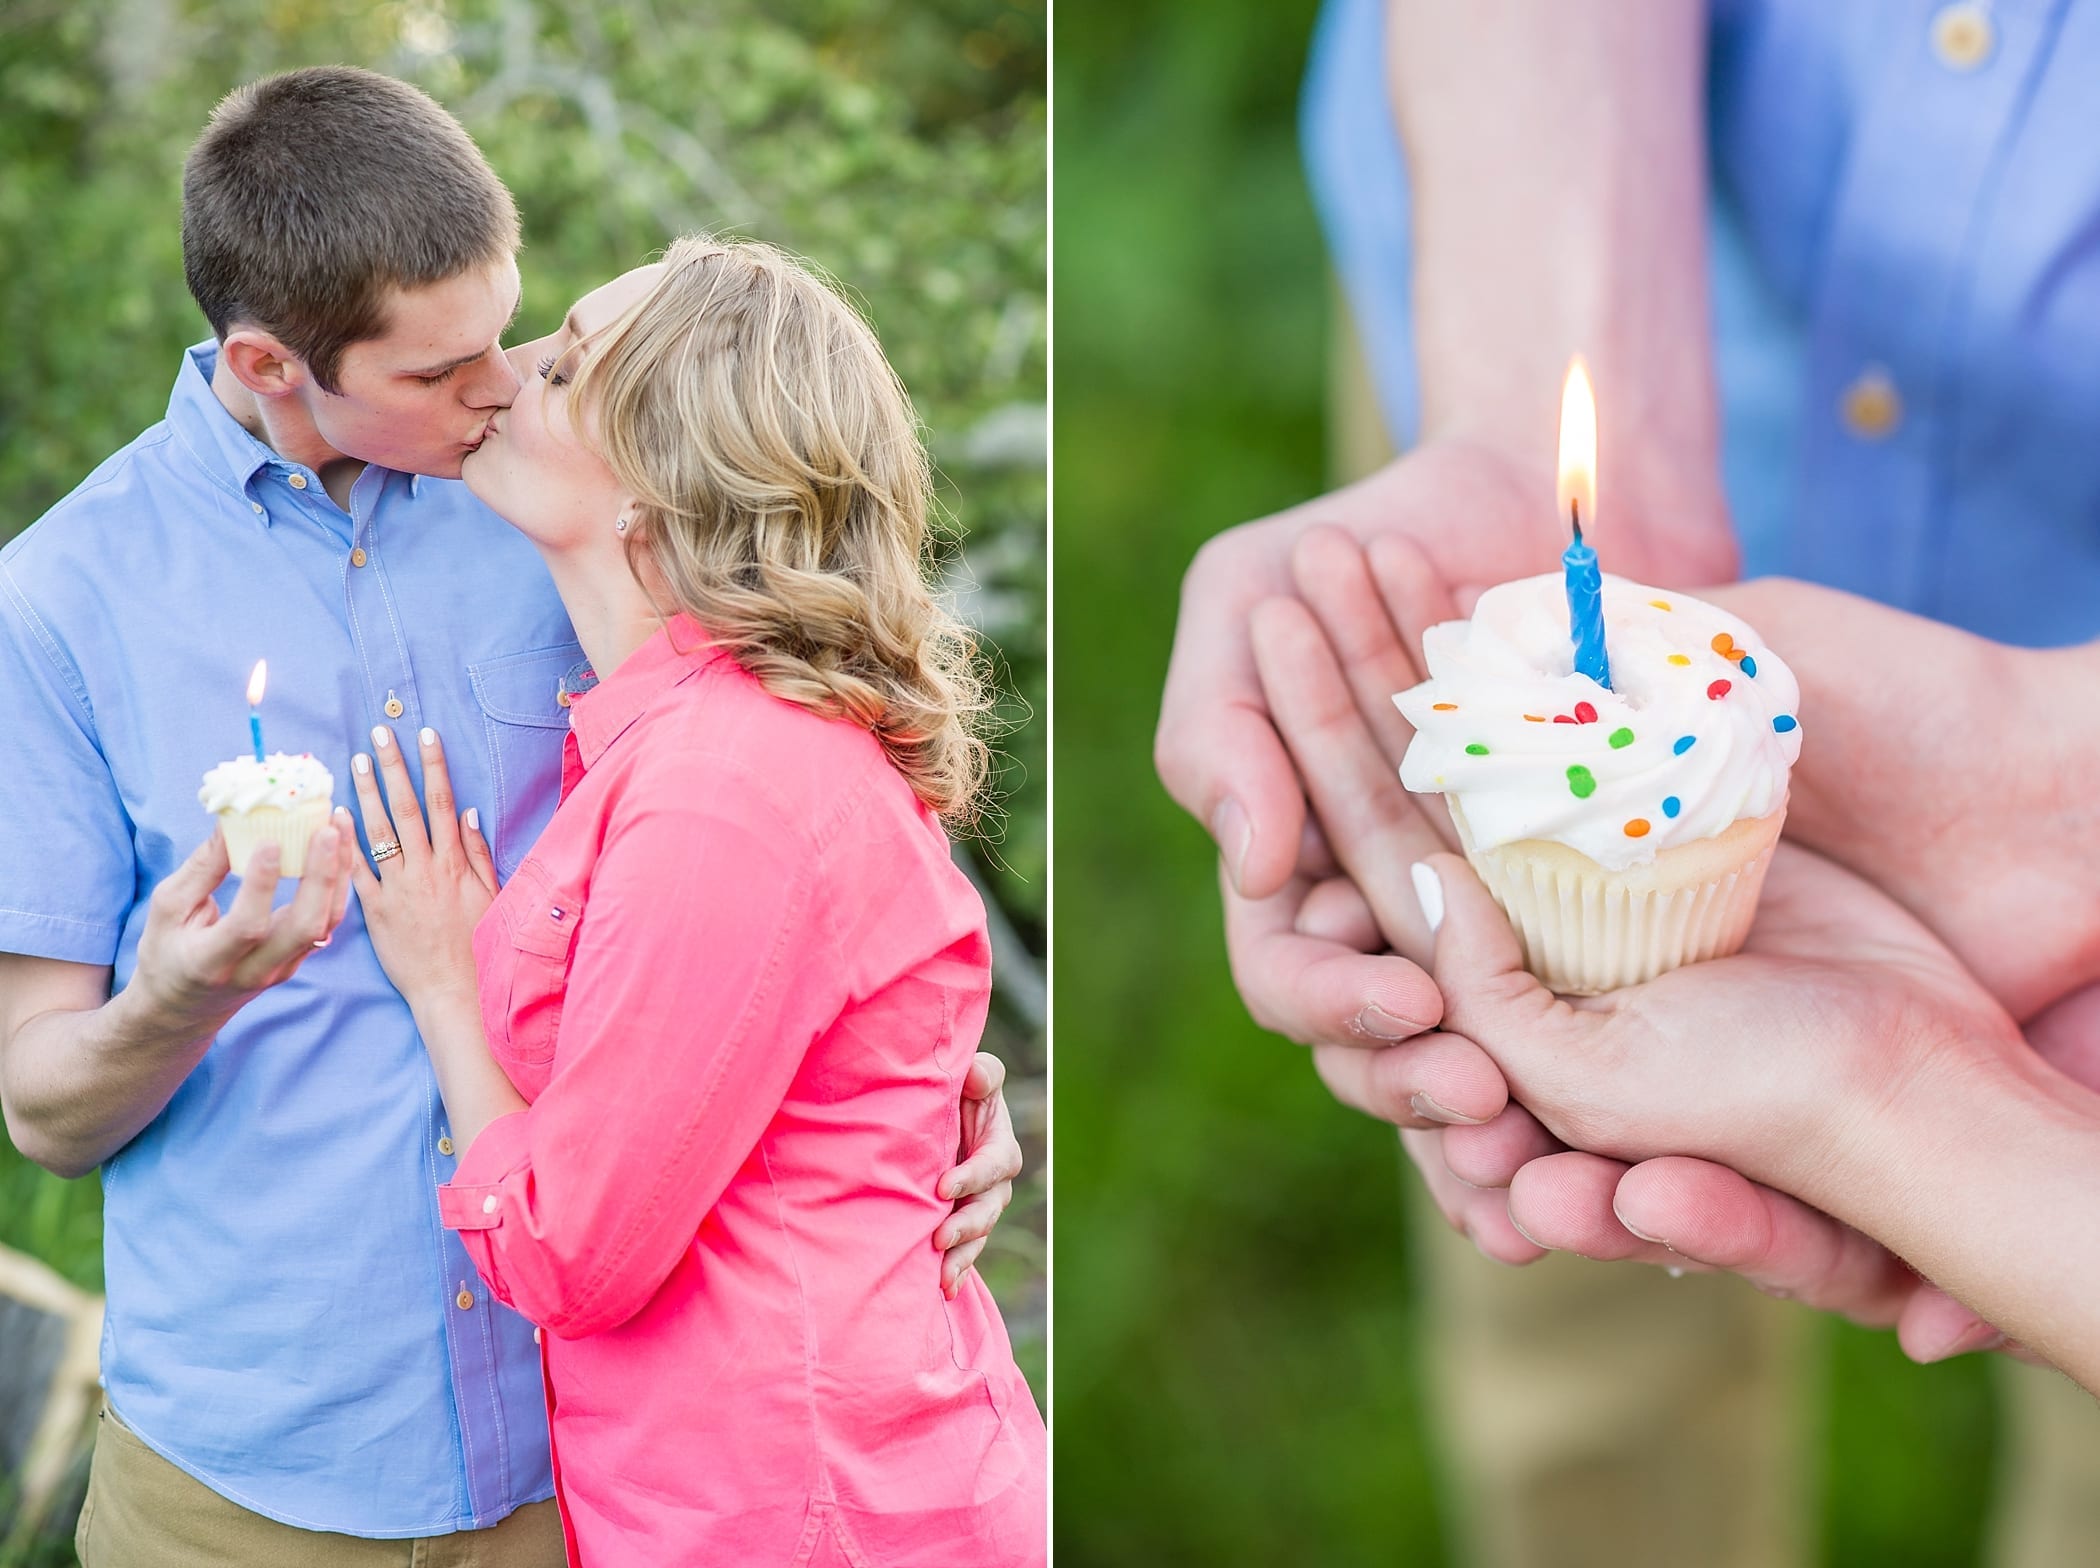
x: 541, y: 932
x: 525, y: 722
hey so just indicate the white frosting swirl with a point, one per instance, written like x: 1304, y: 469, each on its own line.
x: 1626, y: 786
x: 280, y: 780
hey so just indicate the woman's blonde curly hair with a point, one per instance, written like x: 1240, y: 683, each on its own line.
x: 783, y: 490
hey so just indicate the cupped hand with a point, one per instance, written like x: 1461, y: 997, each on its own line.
x: 1682, y: 1212
x: 1951, y: 772
x: 428, y: 881
x: 1335, y: 958
x: 1479, y: 515
x: 1776, y: 1062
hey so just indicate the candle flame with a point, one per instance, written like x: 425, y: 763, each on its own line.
x: 255, y: 682
x: 1577, y: 489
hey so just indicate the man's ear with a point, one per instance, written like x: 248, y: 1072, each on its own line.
x: 261, y: 363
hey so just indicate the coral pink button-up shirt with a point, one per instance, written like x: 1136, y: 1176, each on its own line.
x: 739, y: 981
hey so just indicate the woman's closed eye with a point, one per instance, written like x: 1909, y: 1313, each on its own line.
x: 547, y: 375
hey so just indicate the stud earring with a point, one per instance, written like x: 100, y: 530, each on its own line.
x: 620, y: 526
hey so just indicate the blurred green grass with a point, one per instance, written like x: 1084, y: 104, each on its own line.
x: 1236, y: 1371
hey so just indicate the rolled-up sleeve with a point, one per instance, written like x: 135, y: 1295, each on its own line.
x: 67, y: 871
x: 702, y: 973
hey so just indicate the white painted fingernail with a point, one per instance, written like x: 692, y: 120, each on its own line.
x: 380, y: 737
x: 474, y: 818
x: 1429, y: 893
x: 361, y: 763
x: 427, y: 736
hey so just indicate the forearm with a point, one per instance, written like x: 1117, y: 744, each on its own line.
x: 79, y: 1085
x: 1556, y: 155
x: 1982, y: 1178
x: 474, y: 1089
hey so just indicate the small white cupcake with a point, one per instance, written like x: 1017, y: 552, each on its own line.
x: 282, y: 800
x: 1625, y: 832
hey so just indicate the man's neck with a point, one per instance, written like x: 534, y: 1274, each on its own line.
x: 281, y: 425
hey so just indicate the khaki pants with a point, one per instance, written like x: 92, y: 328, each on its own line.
x: 1607, y: 1414
x: 142, y: 1512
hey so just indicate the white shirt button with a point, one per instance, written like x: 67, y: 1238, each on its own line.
x: 488, y: 1204
x: 257, y: 505
x: 297, y: 481
x: 444, y: 1146
x: 1870, y: 406
x: 464, y: 1300
x: 1962, y: 36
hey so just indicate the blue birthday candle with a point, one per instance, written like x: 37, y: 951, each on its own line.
x: 255, y: 695
x: 1586, y: 609
x: 1577, y: 493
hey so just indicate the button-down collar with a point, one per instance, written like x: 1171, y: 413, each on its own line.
x: 673, y: 656
x: 229, y: 453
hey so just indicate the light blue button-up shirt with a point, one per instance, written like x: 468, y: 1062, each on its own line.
x: 1889, y: 209
x: 284, y: 1318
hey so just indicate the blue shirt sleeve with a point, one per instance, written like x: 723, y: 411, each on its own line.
x: 67, y: 877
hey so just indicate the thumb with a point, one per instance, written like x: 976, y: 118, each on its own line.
x: 190, y: 883
x: 477, y: 847
x: 1479, y: 963
x: 986, y: 1076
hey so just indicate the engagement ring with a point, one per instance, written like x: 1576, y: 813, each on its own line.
x: 384, y: 851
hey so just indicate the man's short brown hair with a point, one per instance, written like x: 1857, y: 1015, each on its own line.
x: 313, y: 192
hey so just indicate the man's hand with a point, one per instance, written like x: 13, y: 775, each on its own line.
x: 81, y: 1072
x: 1312, y: 960
x: 1477, y: 516
x: 981, y: 1185
x: 1950, y: 771
x: 197, y: 967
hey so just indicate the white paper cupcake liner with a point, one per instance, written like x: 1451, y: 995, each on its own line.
x: 287, y: 827
x: 1586, y: 930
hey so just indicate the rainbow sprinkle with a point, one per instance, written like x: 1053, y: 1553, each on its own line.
x: 1476, y: 750
x: 1672, y: 805
x: 1785, y: 722
x: 1582, y: 782
x: 1621, y: 739
x: 1637, y: 828
x: 1443, y: 707
x: 1684, y: 744
x: 1749, y: 666
x: 1718, y: 690
x: 1678, y: 658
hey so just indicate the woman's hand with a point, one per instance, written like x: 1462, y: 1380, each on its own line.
x: 1778, y: 1062
x: 427, y: 884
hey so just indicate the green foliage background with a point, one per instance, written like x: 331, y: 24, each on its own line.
x: 898, y: 143
x: 1239, y: 1378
